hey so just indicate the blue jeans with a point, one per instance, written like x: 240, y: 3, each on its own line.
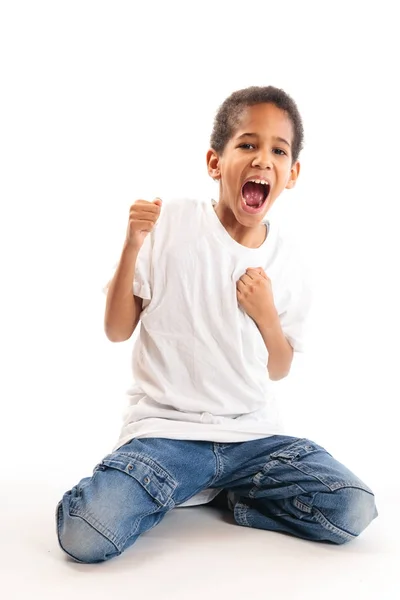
x: 280, y: 483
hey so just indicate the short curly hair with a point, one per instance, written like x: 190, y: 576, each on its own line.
x: 230, y: 111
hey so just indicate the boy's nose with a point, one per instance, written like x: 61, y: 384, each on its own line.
x: 263, y: 160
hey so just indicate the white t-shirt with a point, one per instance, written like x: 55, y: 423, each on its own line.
x: 199, y: 363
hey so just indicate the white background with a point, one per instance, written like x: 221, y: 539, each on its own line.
x: 103, y: 103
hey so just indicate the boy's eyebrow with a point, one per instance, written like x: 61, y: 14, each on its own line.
x: 279, y: 139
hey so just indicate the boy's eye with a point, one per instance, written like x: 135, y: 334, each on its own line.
x: 278, y: 151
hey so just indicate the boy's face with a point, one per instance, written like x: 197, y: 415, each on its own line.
x: 260, y: 148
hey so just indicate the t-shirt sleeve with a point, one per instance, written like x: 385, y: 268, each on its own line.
x: 295, y: 317
x: 142, y: 278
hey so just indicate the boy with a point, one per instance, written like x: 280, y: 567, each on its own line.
x: 222, y: 303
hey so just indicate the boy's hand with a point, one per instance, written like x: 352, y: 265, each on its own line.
x: 254, y: 294
x: 143, y: 215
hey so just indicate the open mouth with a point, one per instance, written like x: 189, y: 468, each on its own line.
x: 254, y: 195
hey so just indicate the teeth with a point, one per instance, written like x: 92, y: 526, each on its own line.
x: 260, y: 181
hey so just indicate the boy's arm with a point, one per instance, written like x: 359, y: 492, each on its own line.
x: 123, y: 309
x: 288, y: 332
x: 279, y: 349
x: 283, y: 333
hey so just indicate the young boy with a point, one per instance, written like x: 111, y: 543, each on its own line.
x: 222, y: 302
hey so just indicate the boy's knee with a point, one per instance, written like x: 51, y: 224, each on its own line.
x: 350, y: 510
x: 361, y: 510
x: 80, y: 540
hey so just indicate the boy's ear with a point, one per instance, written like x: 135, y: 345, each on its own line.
x: 294, y: 173
x: 213, y: 164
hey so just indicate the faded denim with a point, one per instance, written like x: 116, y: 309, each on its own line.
x: 279, y: 483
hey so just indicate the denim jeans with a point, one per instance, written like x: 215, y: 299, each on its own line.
x: 279, y: 483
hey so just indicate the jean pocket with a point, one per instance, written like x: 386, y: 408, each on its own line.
x: 159, y: 484
x: 297, y: 450
x: 315, y: 461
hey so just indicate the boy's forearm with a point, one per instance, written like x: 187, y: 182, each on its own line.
x: 279, y: 350
x: 122, y: 312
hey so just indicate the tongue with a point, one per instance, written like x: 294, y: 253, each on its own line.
x: 253, y: 193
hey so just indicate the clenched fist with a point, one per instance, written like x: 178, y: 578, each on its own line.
x: 143, y: 215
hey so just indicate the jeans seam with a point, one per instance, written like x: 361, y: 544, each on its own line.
x: 240, y: 514
x: 322, y: 520
x: 218, y: 467
x: 91, y: 520
x: 137, y: 523
x: 59, y: 505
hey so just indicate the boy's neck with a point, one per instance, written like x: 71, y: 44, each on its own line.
x: 250, y: 237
